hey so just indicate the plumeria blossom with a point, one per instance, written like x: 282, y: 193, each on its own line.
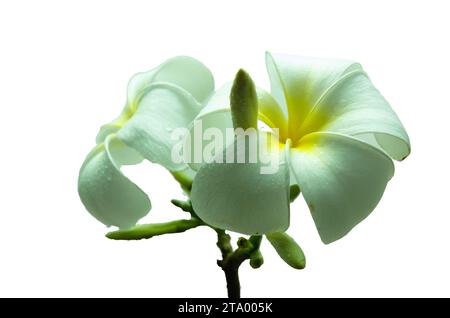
x: 167, y: 97
x: 337, y: 135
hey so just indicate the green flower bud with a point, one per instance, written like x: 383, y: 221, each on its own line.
x: 244, y: 101
x: 287, y: 249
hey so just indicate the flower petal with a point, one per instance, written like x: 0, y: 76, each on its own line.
x: 238, y: 197
x: 184, y: 71
x: 105, y: 192
x: 353, y: 106
x: 271, y: 113
x: 298, y: 82
x: 161, y: 109
x: 216, y: 115
x: 342, y: 180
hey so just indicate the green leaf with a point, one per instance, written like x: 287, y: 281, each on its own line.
x: 244, y: 101
x: 287, y: 249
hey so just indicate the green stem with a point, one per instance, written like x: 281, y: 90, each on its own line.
x: 232, y: 260
x: 186, y: 206
x: 233, y: 284
x: 184, y: 180
x: 248, y: 249
x: 224, y: 243
x: 146, y: 231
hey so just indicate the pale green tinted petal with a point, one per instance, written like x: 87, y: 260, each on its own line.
x: 186, y: 72
x: 298, y: 82
x: 271, y: 113
x: 238, y: 197
x: 122, y: 154
x: 183, y: 71
x: 105, y: 192
x: 161, y: 109
x: 107, y: 130
x: 115, y: 125
x: 342, y: 180
x: 216, y: 115
x: 355, y: 107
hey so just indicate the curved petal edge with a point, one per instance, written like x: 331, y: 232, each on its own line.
x: 342, y: 180
x: 106, y: 192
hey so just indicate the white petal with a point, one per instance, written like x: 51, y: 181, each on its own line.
x: 342, y: 180
x: 298, y: 82
x: 216, y: 115
x: 105, y: 192
x: 355, y: 107
x: 184, y: 71
x: 271, y: 113
x: 114, y: 126
x: 238, y: 197
x: 122, y: 154
x: 161, y: 109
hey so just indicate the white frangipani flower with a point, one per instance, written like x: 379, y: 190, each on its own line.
x: 167, y: 97
x: 337, y: 134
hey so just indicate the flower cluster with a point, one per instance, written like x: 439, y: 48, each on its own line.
x: 332, y: 132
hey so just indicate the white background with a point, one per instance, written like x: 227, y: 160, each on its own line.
x: 64, y: 66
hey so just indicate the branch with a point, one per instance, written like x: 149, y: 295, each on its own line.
x: 231, y: 260
x: 146, y: 231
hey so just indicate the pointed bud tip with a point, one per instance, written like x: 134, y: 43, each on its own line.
x: 244, y: 101
x: 241, y: 75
